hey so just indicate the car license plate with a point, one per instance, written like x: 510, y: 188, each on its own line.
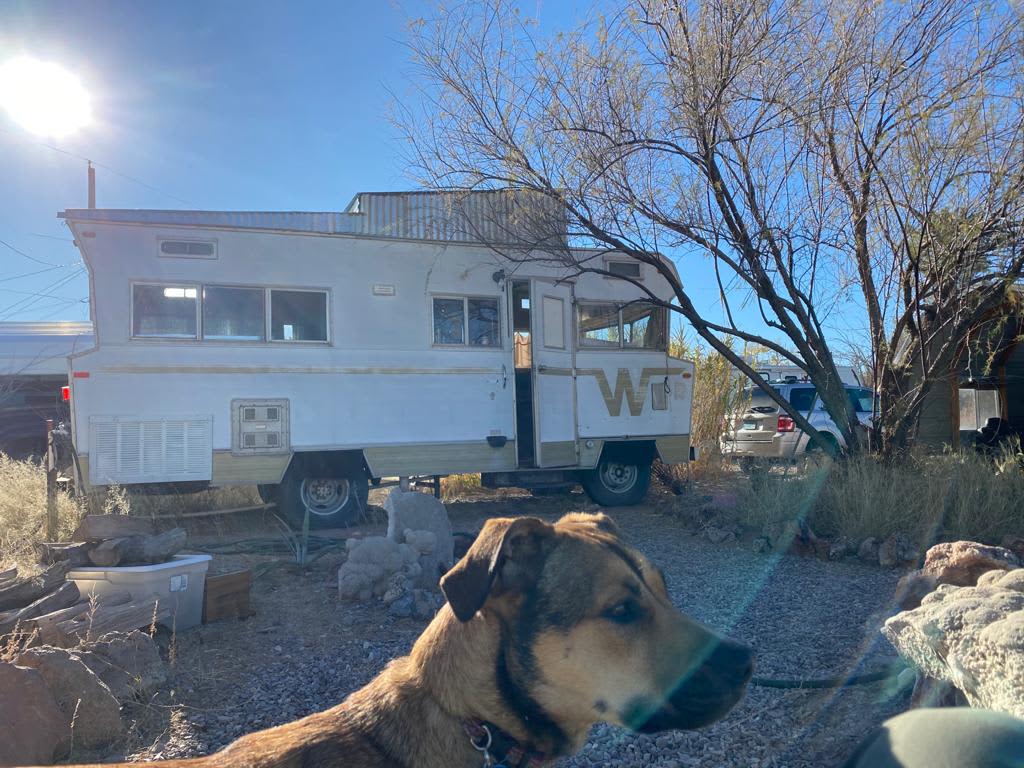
x: 750, y: 425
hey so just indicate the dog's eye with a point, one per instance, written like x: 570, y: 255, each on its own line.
x: 624, y: 613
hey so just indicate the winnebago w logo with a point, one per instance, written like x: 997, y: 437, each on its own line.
x: 635, y: 398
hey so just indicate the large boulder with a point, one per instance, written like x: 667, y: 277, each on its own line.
x: 33, y: 728
x: 128, y: 663
x: 86, y: 701
x: 371, y: 564
x: 959, y: 563
x: 410, y: 510
x: 971, y: 637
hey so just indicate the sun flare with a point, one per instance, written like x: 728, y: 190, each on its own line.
x: 43, y: 98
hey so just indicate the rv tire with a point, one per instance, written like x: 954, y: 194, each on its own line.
x: 268, y: 493
x: 334, y: 502
x: 617, y: 483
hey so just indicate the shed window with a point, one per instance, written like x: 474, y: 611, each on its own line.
x: 233, y: 314
x: 977, y: 406
x: 466, y: 321
x: 298, y: 315
x: 164, y: 311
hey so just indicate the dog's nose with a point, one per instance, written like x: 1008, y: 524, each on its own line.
x: 733, y: 659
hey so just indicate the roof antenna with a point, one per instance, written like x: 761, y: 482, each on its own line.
x: 92, y: 184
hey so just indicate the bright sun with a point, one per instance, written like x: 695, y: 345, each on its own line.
x: 43, y: 98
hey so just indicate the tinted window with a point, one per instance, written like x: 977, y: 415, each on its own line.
x: 164, y: 311
x: 298, y: 315
x: 233, y: 313
x: 862, y: 400
x: 801, y: 398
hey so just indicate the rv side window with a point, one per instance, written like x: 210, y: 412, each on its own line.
x: 298, y: 315
x: 233, y: 314
x: 164, y: 311
x: 461, y: 321
x: 643, y: 326
x: 599, y: 325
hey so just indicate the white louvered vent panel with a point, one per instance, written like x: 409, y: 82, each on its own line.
x: 126, y: 450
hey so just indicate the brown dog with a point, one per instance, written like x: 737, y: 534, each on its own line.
x: 548, y: 630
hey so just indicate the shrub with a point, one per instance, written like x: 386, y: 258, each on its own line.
x: 23, y: 510
x: 949, y: 496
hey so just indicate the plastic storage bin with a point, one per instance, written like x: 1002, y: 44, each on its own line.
x: 179, y: 583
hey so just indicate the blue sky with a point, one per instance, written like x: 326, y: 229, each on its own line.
x: 252, y: 105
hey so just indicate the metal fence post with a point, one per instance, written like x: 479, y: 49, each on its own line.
x: 51, y: 483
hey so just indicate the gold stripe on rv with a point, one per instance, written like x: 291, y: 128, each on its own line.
x: 295, y: 369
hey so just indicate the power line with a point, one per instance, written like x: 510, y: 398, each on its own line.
x: 27, y: 301
x: 105, y: 167
x: 38, y: 272
x: 30, y: 258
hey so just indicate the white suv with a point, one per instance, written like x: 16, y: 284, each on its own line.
x: 764, y: 431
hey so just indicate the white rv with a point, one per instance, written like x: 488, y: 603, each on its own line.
x: 314, y: 353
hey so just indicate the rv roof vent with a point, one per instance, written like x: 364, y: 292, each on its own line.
x: 194, y: 249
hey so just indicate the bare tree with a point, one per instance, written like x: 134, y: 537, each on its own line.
x: 806, y: 149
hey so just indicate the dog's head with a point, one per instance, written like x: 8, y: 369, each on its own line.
x: 588, y: 632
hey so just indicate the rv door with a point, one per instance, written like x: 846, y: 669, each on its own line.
x: 553, y: 368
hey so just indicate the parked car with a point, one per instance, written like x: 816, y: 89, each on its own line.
x: 763, y: 431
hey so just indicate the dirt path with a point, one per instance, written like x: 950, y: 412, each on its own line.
x: 303, y: 651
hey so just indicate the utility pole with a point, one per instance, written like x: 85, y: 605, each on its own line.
x: 92, y: 184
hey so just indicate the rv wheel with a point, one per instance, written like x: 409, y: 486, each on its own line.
x: 616, y: 483
x: 333, y: 502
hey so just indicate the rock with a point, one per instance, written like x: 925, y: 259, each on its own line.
x: 898, y: 549
x: 424, y: 604
x: 402, y: 607
x: 961, y: 563
x: 782, y: 534
x: 911, y: 589
x: 424, y: 542
x: 422, y: 512
x: 398, y: 586
x: 761, y: 544
x: 35, y: 729
x: 371, y: 564
x: 718, y: 535
x: 86, y: 701
x: 867, y: 552
x: 972, y: 637
x: 840, y: 547
x: 128, y: 662
x: 1015, y: 544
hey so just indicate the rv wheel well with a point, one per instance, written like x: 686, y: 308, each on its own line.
x: 328, y: 463
x: 630, y: 451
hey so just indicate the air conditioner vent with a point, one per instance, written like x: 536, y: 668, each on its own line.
x: 124, y: 449
x: 259, y: 426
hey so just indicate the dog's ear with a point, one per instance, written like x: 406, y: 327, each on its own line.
x: 506, y: 556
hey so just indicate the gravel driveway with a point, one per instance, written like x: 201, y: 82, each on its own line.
x: 303, y: 651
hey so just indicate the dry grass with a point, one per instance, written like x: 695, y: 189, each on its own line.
x: 955, y: 495
x: 23, y: 511
x: 454, y: 487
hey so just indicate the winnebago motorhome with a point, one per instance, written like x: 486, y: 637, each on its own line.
x: 314, y: 353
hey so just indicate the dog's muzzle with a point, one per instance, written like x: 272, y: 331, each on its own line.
x: 706, y: 694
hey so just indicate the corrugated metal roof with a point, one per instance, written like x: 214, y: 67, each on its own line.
x: 498, y: 216
x: 37, y: 349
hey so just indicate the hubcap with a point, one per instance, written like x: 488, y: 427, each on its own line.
x: 618, y: 478
x: 325, y: 496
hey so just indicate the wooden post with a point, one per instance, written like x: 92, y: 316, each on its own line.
x: 51, y: 484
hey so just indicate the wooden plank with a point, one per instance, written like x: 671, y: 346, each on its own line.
x: 217, y: 512
x: 24, y: 591
x: 8, y: 575
x: 227, y: 596
x: 75, y: 554
x: 101, y: 527
x: 121, y: 618
x: 65, y: 595
x: 139, y: 550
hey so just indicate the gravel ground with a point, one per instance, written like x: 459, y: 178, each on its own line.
x: 303, y: 651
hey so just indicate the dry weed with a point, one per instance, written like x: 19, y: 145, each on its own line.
x: 23, y: 511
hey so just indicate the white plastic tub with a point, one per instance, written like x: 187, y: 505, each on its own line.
x: 178, y: 583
